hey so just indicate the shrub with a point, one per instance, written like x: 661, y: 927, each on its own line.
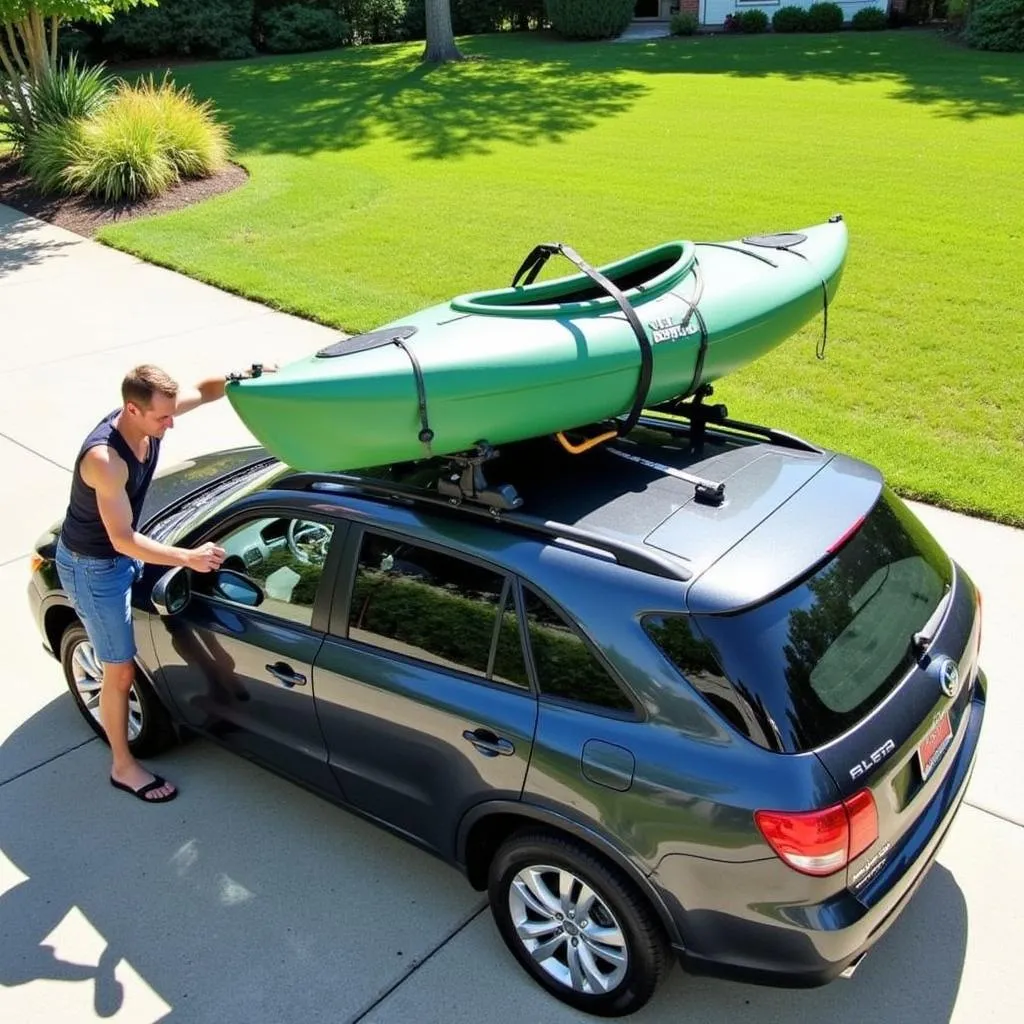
x: 685, y: 24
x: 752, y: 21
x: 199, y: 28
x: 996, y: 25
x: 824, y: 17
x: 138, y: 144
x: 732, y: 23
x: 299, y: 27
x: 120, y: 156
x: 920, y: 12
x: 49, y: 153
x: 472, y: 17
x: 195, y: 142
x: 374, y: 21
x: 956, y: 13
x: 72, y: 91
x: 869, y: 19
x: 589, y: 19
x: 524, y: 14
x: 789, y: 19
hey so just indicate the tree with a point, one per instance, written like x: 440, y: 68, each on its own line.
x: 440, y: 38
x: 28, y: 42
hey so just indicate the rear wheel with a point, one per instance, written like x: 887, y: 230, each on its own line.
x: 577, y: 926
x: 149, y: 726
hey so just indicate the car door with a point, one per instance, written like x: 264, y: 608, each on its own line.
x: 238, y: 660
x: 421, y: 686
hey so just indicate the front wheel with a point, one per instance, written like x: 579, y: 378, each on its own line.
x: 149, y: 726
x: 577, y: 926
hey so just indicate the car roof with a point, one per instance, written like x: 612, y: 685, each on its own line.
x: 670, y: 499
x: 636, y: 494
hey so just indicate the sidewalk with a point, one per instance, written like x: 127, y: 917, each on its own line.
x: 258, y: 902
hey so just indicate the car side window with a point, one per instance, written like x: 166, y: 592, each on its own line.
x: 565, y: 665
x: 281, y: 557
x: 434, y: 607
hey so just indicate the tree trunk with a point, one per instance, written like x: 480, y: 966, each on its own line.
x: 27, y: 56
x: 440, y: 39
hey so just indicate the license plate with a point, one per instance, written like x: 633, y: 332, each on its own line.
x: 933, y: 746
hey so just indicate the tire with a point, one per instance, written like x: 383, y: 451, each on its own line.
x: 154, y: 731
x: 625, y: 919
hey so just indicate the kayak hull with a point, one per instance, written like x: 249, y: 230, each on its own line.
x: 518, y: 363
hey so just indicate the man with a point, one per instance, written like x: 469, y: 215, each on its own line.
x: 99, y: 551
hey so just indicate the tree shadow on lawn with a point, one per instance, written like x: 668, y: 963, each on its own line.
x: 535, y: 88
x: 343, y: 100
x: 923, y: 67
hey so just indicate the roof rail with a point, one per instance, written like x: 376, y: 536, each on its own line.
x: 633, y: 556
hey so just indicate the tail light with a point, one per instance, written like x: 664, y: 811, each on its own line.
x: 822, y: 842
x: 35, y: 563
x: 848, y: 535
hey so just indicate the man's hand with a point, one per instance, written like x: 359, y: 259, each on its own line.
x: 206, y: 558
x: 212, y: 389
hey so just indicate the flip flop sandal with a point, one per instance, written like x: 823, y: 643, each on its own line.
x: 148, y: 788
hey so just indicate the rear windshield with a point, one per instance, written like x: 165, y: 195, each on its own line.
x: 823, y: 654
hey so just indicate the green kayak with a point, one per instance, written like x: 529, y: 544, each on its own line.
x: 545, y: 357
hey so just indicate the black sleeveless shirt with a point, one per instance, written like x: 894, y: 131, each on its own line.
x: 83, y: 531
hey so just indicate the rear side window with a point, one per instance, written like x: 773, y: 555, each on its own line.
x: 565, y: 665
x: 678, y: 639
x: 825, y: 653
x: 436, y: 608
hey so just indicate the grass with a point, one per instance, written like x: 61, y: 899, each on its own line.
x: 379, y: 186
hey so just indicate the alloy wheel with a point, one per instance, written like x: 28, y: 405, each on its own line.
x: 87, y: 671
x: 567, y: 929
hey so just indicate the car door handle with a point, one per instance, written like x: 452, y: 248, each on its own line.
x: 286, y: 674
x: 488, y: 744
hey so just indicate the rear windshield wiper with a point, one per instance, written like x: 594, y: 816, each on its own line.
x: 922, y: 640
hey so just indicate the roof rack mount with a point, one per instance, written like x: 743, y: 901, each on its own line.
x: 700, y: 415
x: 464, y: 480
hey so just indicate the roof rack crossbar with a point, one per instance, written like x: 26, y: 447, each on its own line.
x: 700, y: 418
x: 632, y: 556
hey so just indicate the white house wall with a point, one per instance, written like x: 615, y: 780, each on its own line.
x: 713, y: 12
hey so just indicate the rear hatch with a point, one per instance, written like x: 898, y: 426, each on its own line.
x: 864, y: 653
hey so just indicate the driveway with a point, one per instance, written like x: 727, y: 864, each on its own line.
x: 250, y: 900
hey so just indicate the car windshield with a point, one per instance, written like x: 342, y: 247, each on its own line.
x: 169, y: 527
x: 817, y: 658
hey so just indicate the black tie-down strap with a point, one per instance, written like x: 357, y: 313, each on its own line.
x: 529, y: 270
x: 378, y: 339
x: 426, y: 435
x: 785, y: 241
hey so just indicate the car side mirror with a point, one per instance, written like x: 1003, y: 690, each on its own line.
x: 233, y: 586
x: 172, y: 592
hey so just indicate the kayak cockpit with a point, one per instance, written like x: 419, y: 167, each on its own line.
x: 644, y: 275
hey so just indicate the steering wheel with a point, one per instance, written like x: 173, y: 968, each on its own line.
x: 308, y: 541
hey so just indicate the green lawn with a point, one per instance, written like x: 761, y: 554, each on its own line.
x: 379, y: 186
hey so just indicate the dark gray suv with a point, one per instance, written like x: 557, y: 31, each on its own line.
x: 707, y: 690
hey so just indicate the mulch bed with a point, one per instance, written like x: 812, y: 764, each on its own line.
x: 86, y: 216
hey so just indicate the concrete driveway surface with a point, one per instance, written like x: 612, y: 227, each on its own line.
x: 250, y: 900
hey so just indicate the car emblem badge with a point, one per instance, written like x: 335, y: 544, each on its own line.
x: 949, y: 677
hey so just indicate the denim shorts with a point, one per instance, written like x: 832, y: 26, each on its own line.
x: 100, y: 590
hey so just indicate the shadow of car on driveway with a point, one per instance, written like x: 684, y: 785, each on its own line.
x: 249, y: 898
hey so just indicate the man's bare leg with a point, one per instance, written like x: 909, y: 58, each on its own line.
x: 118, y: 678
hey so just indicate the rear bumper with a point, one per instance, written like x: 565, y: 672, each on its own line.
x: 798, y: 945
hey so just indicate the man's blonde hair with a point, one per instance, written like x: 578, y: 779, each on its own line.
x: 141, y: 384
